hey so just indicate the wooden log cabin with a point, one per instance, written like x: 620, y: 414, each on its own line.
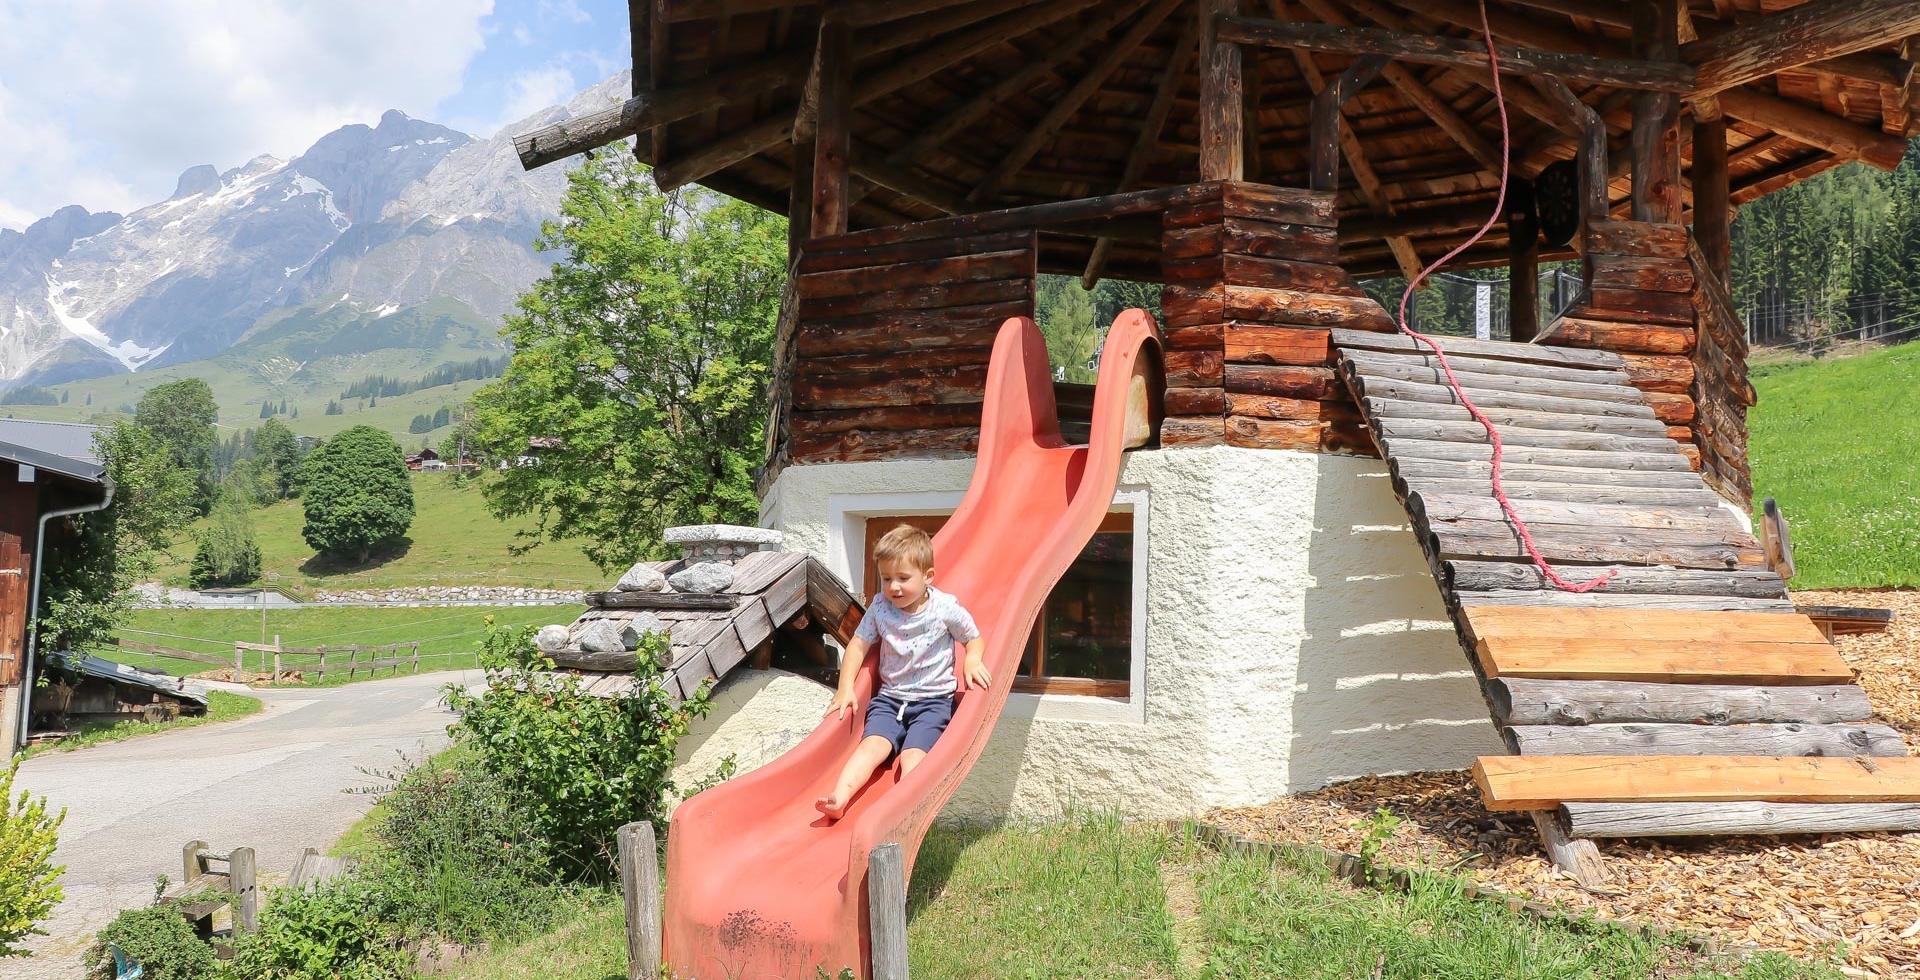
x: 1291, y: 574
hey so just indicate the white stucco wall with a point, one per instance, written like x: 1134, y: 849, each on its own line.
x: 757, y: 715
x: 1293, y: 636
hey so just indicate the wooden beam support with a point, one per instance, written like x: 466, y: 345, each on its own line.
x: 1019, y: 18
x: 1417, y: 92
x: 1523, y: 276
x: 1656, y: 117
x: 1222, y: 119
x: 1441, y: 50
x: 1378, y: 200
x: 1069, y: 103
x: 1526, y: 101
x: 1814, y: 128
x: 1325, y: 174
x: 832, y: 140
x: 1142, y: 152
x: 1813, y: 31
x: 1537, y: 783
x: 1593, y: 143
x: 1712, y: 207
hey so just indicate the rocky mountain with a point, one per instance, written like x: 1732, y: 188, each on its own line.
x: 370, y: 221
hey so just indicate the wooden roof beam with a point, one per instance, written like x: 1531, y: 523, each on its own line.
x: 1378, y: 201
x: 951, y: 123
x: 1815, y: 128
x: 1417, y: 92
x: 1439, y: 50
x: 1814, y: 31
x: 1070, y: 102
x: 1525, y: 100
x: 1534, y: 32
x: 1142, y: 152
x: 859, y: 13
x: 730, y: 148
x: 1598, y: 11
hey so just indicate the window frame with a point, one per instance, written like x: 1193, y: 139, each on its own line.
x: 848, y: 515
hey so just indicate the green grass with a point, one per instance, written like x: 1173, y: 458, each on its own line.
x: 221, y: 706
x: 1094, y: 897
x: 453, y: 541
x: 1262, y: 919
x: 448, y: 635
x: 1833, y: 441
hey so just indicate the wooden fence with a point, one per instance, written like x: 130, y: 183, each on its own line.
x: 375, y: 658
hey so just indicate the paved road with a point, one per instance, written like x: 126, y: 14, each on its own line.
x: 275, y: 781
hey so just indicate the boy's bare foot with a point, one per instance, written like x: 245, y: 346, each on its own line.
x: 831, y: 806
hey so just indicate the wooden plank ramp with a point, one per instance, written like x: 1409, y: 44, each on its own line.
x: 1685, y: 696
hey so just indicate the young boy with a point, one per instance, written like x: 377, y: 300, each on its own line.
x: 916, y: 626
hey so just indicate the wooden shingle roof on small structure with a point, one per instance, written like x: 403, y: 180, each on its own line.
x: 961, y: 106
x: 773, y: 592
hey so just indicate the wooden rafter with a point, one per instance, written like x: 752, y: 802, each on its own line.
x: 1070, y: 102
x: 1814, y: 128
x: 1142, y: 151
x: 1534, y: 32
x: 1439, y: 50
x: 1813, y: 31
x: 1020, y: 18
x: 939, y: 131
x: 1385, y: 16
x: 858, y: 13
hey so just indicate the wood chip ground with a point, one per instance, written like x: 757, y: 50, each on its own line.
x: 1804, y: 895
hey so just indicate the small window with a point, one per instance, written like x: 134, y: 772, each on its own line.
x: 1083, y: 643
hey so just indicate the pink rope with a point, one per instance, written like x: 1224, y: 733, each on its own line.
x: 1493, y: 435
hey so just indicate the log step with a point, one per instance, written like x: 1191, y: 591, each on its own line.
x: 1709, y: 819
x: 1657, y: 645
x: 1525, y: 701
x: 1649, y: 624
x: 1769, y: 739
x: 1511, y: 783
x: 1490, y: 349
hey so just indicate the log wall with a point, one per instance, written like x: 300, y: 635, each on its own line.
x: 1639, y: 304
x: 1250, y: 290
x: 1652, y: 298
x: 892, y: 339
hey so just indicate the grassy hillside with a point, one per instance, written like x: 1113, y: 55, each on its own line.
x: 307, y: 357
x: 454, y: 541
x: 1835, y: 442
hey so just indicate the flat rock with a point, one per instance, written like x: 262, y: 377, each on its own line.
x: 723, y: 534
x: 706, y: 577
x: 607, y: 636
x: 642, y: 577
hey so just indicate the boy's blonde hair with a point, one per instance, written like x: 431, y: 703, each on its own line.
x: 904, y: 543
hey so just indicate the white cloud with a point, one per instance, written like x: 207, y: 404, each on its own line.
x: 109, y: 101
x: 566, y: 10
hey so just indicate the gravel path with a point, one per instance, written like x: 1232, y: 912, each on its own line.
x: 274, y: 781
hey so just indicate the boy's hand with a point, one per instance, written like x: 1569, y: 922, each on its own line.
x: 977, y: 674
x: 842, y: 703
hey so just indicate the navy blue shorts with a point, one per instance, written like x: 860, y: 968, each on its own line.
x: 916, y: 728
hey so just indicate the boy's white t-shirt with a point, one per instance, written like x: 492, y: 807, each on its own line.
x: 916, y: 651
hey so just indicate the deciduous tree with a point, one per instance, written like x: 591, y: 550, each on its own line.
x: 356, y: 494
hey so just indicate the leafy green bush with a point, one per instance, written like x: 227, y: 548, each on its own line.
x: 29, y: 880
x: 459, y: 858
x: 582, y: 765
x: 334, y: 931
x: 159, y: 939
x: 227, y: 553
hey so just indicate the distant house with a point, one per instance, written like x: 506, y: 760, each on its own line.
x: 419, y: 461
x: 307, y: 443
x: 537, y: 446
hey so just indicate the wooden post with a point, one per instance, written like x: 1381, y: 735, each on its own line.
x: 416, y: 657
x: 832, y: 138
x: 1576, y: 856
x: 190, y: 860
x: 640, y: 883
x: 887, y: 912
x: 1222, y: 93
x: 800, y: 199
x: 1326, y: 119
x: 1656, y: 117
x: 321, y: 671
x: 246, y: 896
x: 276, y: 666
x: 353, y: 657
x: 239, y: 665
x: 1523, y: 275
x: 1711, y: 219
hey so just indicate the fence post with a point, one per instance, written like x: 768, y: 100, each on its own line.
x: 239, y: 665
x: 353, y: 657
x: 320, y: 672
x: 276, y: 667
x: 887, y: 912
x: 276, y: 650
x: 190, y: 860
x: 416, y: 657
x: 640, y: 883
x: 246, y: 897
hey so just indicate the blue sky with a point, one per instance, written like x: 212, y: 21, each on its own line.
x: 104, y: 102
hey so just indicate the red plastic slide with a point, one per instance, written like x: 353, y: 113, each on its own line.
x: 759, y: 884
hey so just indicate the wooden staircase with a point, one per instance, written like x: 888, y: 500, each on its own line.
x: 1686, y: 696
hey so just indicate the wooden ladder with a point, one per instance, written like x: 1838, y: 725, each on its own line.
x: 1686, y: 696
